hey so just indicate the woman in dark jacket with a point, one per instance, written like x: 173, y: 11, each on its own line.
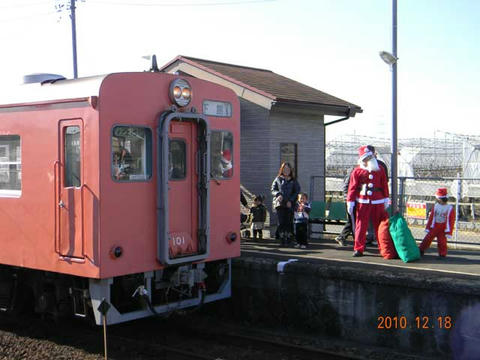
x: 285, y: 189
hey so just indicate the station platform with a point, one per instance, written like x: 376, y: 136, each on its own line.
x: 429, y: 307
x: 459, y: 262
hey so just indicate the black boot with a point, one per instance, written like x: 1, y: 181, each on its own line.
x: 289, y: 237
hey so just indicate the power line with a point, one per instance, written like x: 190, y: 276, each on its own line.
x: 179, y: 4
x: 17, y: 5
x: 30, y: 16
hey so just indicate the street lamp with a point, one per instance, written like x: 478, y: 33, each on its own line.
x: 392, y: 59
x: 388, y: 58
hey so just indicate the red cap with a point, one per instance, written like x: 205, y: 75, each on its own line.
x: 364, y: 151
x: 441, y: 193
x: 227, y: 154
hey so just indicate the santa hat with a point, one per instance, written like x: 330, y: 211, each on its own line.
x: 363, y: 152
x: 441, y: 193
x: 227, y: 154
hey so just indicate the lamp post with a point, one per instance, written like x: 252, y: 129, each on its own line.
x: 74, y: 38
x: 391, y: 59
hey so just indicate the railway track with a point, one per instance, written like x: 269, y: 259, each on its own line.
x: 156, y: 351
x: 192, y: 338
x: 286, y: 350
x: 233, y: 346
x: 213, y: 341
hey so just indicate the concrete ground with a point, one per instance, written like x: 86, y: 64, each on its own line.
x: 457, y: 262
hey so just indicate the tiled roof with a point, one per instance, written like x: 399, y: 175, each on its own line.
x: 270, y: 84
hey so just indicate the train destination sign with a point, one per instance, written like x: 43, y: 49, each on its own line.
x: 217, y: 108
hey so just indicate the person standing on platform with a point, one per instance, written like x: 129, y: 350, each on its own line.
x: 441, y: 221
x: 259, y: 215
x: 285, y: 189
x: 368, y: 195
x: 370, y: 232
x: 300, y: 216
x: 348, y: 227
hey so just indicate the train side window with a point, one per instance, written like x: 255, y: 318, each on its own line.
x: 221, y: 154
x: 10, y: 166
x: 131, y: 153
x: 177, y: 160
x: 72, y: 156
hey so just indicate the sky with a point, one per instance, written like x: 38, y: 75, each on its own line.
x: 331, y: 45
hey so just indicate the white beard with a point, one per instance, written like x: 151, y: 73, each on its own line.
x: 372, y: 165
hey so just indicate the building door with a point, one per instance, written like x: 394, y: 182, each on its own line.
x: 182, y: 190
x: 70, y: 180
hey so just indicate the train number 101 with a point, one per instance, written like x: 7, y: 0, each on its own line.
x: 178, y: 240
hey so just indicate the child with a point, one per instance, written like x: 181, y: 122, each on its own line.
x: 302, y: 209
x: 259, y: 214
x: 440, y: 224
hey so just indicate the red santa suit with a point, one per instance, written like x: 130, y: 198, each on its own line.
x: 368, y: 192
x: 226, y: 163
x: 441, y: 222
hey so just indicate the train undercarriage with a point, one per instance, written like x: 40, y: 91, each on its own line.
x: 129, y: 297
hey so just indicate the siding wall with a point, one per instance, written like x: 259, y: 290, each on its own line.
x: 307, y: 131
x: 262, y: 132
x: 255, y: 153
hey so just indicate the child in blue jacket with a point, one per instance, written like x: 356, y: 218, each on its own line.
x: 300, y: 217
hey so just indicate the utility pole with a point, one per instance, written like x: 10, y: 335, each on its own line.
x: 60, y: 6
x: 74, y: 38
x: 391, y: 59
x: 393, y: 164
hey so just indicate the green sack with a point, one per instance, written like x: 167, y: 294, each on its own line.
x: 403, y: 240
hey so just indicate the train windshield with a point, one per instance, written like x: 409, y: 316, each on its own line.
x: 131, y: 153
x: 177, y: 159
x: 221, y: 150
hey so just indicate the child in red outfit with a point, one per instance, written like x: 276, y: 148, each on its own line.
x: 440, y: 224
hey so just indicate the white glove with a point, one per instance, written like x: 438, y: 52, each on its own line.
x: 448, y: 236
x: 350, y: 207
x: 386, y: 204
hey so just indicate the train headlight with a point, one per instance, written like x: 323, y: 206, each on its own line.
x: 177, y: 92
x: 180, y: 92
x: 186, y: 93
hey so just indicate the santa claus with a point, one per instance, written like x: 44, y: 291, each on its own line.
x: 226, y: 164
x: 441, y: 222
x: 367, y: 196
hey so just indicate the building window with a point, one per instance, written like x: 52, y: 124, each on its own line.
x: 177, y: 160
x: 10, y: 166
x: 288, y: 153
x: 221, y: 155
x: 72, y: 156
x: 131, y: 153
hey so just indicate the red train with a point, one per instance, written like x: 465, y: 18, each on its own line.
x: 123, y: 188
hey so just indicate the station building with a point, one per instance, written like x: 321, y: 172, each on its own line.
x: 281, y: 120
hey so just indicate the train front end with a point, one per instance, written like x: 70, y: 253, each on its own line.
x: 169, y: 185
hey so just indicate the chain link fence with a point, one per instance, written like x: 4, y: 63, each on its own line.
x: 416, y: 197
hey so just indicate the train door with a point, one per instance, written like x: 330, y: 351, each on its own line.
x: 182, y: 190
x: 69, y: 189
x: 183, y: 213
